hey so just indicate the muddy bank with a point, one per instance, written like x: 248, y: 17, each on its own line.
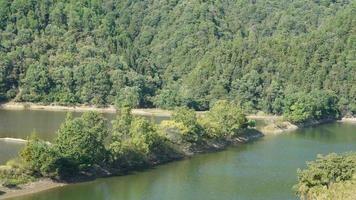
x: 29, y: 188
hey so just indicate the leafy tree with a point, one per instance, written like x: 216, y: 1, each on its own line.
x: 128, y: 96
x: 36, y: 84
x: 316, y: 105
x: 122, y: 124
x: 188, y: 119
x: 248, y: 90
x: 36, y: 154
x: 135, y: 140
x: 224, y: 119
x: 81, y: 140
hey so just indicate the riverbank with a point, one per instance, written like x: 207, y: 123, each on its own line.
x: 14, y: 140
x: 277, y: 125
x: 348, y: 120
x: 29, y: 188
x: 82, y: 108
x: 109, y: 109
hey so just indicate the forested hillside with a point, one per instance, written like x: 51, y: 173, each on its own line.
x: 263, y: 54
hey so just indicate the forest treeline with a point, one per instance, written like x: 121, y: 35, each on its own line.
x: 86, y: 147
x: 261, y: 54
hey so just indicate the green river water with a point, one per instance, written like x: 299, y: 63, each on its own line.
x: 261, y: 170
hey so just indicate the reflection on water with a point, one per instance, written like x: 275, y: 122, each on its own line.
x: 261, y: 170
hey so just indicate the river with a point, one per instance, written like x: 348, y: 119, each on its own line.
x: 261, y: 170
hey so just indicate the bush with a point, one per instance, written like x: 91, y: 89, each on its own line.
x: 11, y: 177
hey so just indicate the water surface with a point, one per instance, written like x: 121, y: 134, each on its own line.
x: 20, y: 123
x: 8, y: 150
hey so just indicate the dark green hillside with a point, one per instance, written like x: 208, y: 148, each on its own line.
x: 259, y: 53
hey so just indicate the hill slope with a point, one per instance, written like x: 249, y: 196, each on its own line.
x: 171, y: 52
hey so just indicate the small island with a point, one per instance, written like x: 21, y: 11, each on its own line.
x: 85, y: 148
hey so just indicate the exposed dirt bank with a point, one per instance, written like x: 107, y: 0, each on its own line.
x: 29, y: 188
x: 278, y: 127
x: 81, y: 108
x: 14, y: 140
x: 348, y: 120
x: 109, y: 109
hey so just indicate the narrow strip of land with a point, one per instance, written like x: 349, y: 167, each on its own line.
x: 109, y: 109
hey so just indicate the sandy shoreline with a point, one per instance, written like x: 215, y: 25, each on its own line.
x: 348, y: 120
x: 29, y: 188
x: 82, y: 108
x: 110, y: 109
x: 14, y: 140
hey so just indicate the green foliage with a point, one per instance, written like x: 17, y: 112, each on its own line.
x: 136, y: 141
x: 36, y: 84
x: 322, y: 173
x: 170, y: 53
x: 13, y: 174
x: 251, y: 123
x: 224, y: 119
x: 40, y: 157
x: 122, y: 124
x: 187, y: 122
x: 79, y: 146
x: 337, y: 191
x: 131, y: 153
x: 81, y: 140
x: 176, y: 132
x: 82, y: 146
x: 128, y: 96
x: 316, y: 105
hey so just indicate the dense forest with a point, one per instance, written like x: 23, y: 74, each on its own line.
x: 268, y: 55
